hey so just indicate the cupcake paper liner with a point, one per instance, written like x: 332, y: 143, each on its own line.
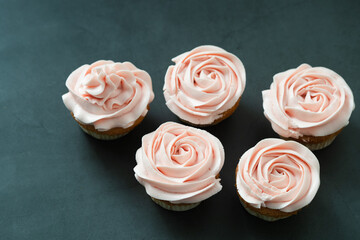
x: 314, y: 146
x: 259, y: 215
x: 321, y: 145
x: 102, y: 136
x: 175, y: 207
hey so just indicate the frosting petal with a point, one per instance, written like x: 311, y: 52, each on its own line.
x: 278, y: 174
x: 178, y: 163
x: 203, y: 84
x: 108, y: 94
x: 308, y: 101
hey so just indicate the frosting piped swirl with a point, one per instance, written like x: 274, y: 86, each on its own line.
x: 180, y: 164
x: 278, y: 174
x: 307, y: 100
x: 108, y: 94
x: 203, y: 84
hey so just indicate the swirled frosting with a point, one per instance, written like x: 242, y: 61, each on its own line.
x: 307, y: 100
x: 278, y: 174
x: 179, y: 163
x: 108, y: 94
x: 203, y: 84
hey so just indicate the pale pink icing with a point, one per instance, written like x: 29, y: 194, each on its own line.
x: 308, y: 100
x: 178, y: 163
x: 203, y: 84
x: 278, y: 174
x: 108, y: 94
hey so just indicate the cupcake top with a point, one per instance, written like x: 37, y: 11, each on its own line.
x: 278, y: 174
x: 180, y: 164
x: 203, y: 84
x: 313, y: 101
x: 108, y: 94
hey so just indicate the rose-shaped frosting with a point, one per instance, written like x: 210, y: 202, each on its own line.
x: 179, y: 163
x: 203, y: 84
x: 108, y: 94
x: 278, y: 174
x: 308, y: 101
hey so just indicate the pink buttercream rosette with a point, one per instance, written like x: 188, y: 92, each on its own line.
x: 308, y: 101
x: 278, y: 174
x: 179, y: 164
x: 203, y: 84
x: 107, y: 95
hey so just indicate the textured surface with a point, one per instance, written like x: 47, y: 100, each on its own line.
x: 56, y: 182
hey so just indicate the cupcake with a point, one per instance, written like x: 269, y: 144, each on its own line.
x: 179, y: 166
x: 204, y: 86
x: 276, y: 178
x: 310, y: 105
x: 108, y: 99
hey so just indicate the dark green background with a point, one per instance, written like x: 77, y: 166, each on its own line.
x: 58, y: 183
